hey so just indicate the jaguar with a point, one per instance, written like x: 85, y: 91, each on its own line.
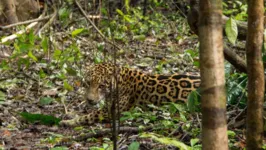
x: 131, y: 88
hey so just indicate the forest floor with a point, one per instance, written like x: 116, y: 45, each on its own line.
x: 39, y: 79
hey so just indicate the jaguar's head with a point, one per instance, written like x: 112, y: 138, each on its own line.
x: 98, y: 81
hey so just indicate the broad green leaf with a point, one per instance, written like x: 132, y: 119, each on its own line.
x: 45, y: 44
x: 68, y: 86
x: 30, y: 54
x: 59, y: 148
x: 97, y: 60
x: 25, y: 47
x: 31, y: 37
x: 123, y: 15
x: 194, y: 142
x: 264, y: 58
x: 57, y: 54
x: 77, y: 32
x: 166, y: 141
x: 2, y: 96
x: 231, y: 134
x: 139, y: 37
x: 42, y: 74
x: 42, y: 119
x: 71, y: 71
x: 134, y: 146
x: 192, y: 101
x: 196, y: 63
x: 63, y: 13
x: 4, y: 65
x: 179, y: 107
x: 231, y: 30
x: 119, y: 12
x: 127, y: 5
x: 46, y: 100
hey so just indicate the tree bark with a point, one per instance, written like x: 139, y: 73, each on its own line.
x: 255, y: 74
x: 214, y: 126
x: 10, y: 11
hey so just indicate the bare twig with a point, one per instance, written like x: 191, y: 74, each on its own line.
x: 25, y: 22
x: 14, y: 36
x: 107, y: 131
x: 94, y: 26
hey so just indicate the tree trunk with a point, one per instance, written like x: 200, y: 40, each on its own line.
x: 255, y: 75
x: 10, y: 11
x: 214, y: 126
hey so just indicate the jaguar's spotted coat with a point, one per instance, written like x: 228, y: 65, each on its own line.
x: 134, y: 88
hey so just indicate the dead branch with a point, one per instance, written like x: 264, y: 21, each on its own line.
x: 107, y: 131
x: 234, y: 59
x: 25, y: 22
x: 14, y: 36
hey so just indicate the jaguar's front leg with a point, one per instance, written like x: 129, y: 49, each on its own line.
x: 94, y: 116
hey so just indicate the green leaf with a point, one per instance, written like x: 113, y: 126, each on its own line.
x: 134, y: 146
x: 194, y: 142
x: 231, y: 134
x: 97, y: 60
x: 264, y: 58
x: 42, y: 74
x: 57, y: 54
x: 77, y: 32
x: 119, y: 12
x: 42, y: 119
x: 192, y: 101
x: 123, y: 15
x: 30, y: 54
x: 196, y: 63
x: 179, y: 107
x: 139, y: 37
x: 44, y: 44
x: 4, y: 65
x: 24, y: 47
x: 31, y: 37
x: 63, y: 13
x: 166, y: 140
x: 46, y: 100
x: 59, y: 148
x: 68, y: 86
x: 71, y: 71
x: 2, y: 96
x: 231, y: 30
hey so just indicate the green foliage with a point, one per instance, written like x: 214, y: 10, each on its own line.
x: 236, y: 89
x: 64, y: 14
x: 40, y: 118
x: 53, y: 139
x: 46, y: 100
x: 166, y: 140
x: 59, y: 148
x: 78, y: 31
x: 231, y: 30
x: 237, y: 8
x: 2, y: 96
x: 104, y: 147
x: 133, y: 146
x: 193, y: 103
